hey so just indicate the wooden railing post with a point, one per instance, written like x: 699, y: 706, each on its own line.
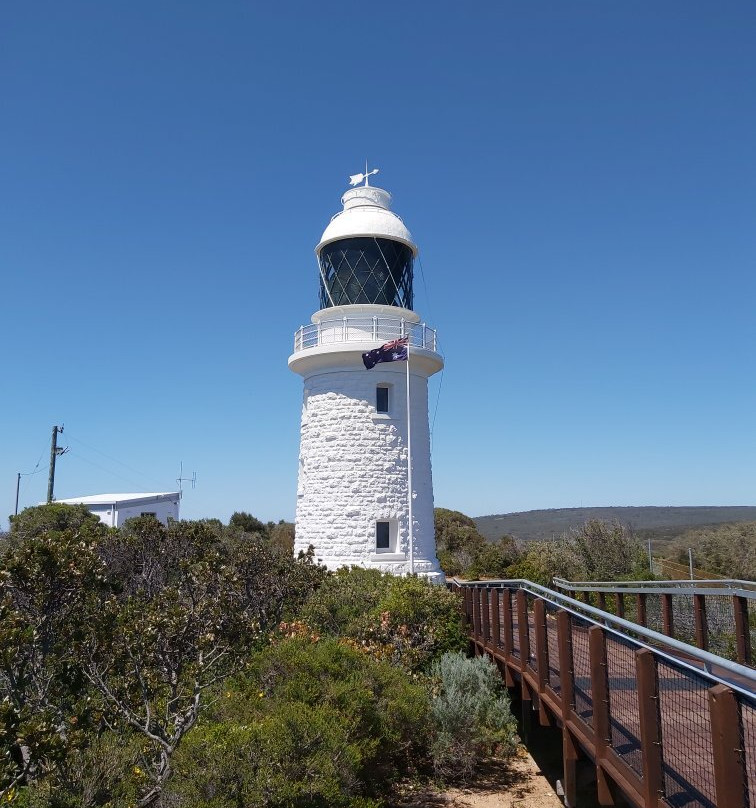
x: 600, y: 697
x: 508, y: 636
x: 727, y: 743
x: 648, y: 706
x: 742, y: 630
x: 542, y: 649
x: 566, y: 697
x: 495, y: 620
x: 640, y: 603
x: 702, y: 628
x: 522, y: 628
x: 668, y: 626
x: 476, y: 615
x: 601, y: 600
x: 486, y: 621
x: 620, y: 597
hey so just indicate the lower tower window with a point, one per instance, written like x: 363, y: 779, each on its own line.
x: 383, y: 536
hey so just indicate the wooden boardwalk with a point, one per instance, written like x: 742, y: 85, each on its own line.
x: 660, y: 731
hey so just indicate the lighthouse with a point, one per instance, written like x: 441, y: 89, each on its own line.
x: 365, y: 489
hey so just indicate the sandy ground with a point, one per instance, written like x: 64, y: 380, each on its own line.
x: 516, y: 783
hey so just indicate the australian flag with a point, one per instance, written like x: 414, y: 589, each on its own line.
x: 393, y: 351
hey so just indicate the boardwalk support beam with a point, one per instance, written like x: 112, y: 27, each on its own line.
x: 566, y: 693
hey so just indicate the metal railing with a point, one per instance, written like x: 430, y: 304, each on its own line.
x: 662, y: 722
x: 714, y: 615
x: 364, y: 329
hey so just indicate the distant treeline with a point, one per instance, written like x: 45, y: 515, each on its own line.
x: 594, y: 550
x: 657, y: 523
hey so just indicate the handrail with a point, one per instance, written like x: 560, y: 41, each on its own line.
x: 728, y: 586
x: 364, y: 329
x: 625, y: 627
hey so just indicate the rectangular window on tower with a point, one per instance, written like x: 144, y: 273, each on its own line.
x: 382, y: 398
x: 382, y: 536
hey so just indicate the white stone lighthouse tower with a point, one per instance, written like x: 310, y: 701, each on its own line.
x: 365, y: 493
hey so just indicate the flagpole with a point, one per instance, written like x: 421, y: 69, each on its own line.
x: 409, y: 465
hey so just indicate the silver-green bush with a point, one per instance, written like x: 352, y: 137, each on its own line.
x: 472, y: 715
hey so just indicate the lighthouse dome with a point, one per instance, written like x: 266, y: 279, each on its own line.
x: 367, y: 212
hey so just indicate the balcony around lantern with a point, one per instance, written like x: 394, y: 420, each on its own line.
x: 364, y: 329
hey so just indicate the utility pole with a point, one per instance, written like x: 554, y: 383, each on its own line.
x: 18, y: 485
x: 54, y: 452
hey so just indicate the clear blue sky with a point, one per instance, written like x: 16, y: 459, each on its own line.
x: 580, y: 177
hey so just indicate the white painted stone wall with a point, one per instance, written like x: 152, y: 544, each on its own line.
x: 353, y: 469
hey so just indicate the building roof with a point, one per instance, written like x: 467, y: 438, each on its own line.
x: 121, y: 499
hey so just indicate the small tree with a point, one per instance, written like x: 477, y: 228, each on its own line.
x: 50, y: 585
x: 607, y: 551
x: 190, y: 609
x: 248, y: 523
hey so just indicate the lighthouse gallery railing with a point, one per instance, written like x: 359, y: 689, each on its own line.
x: 364, y: 329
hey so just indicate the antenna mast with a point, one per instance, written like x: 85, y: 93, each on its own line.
x: 181, y: 479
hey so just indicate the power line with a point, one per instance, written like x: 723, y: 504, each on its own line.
x: 107, y: 471
x: 115, y: 460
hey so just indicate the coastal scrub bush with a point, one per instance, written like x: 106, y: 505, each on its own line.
x: 406, y: 621
x: 311, y: 722
x: 471, y: 713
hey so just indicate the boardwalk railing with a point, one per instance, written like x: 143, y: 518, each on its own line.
x: 663, y: 723
x: 714, y: 615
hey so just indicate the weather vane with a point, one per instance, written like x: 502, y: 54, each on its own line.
x: 356, y: 179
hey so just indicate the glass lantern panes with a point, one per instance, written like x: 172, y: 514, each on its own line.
x: 366, y: 270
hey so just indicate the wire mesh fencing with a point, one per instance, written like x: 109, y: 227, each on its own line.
x: 552, y: 649
x: 720, y: 626
x: 530, y: 600
x: 687, y: 752
x: 515, y: 623
x: 624, y: 719
x: 581, y: 667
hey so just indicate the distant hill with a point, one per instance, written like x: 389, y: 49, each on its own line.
x: 648, y: 522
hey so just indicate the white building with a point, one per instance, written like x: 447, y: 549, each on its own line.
x: 353, y: 501
x: 115, y: 509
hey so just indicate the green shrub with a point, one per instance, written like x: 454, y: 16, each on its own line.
x: 342, y: 600
x: 107, y: 772
x: 406, y: 621
x: 311, y: 722
x: 298, y: 754
x: 471, y: 713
